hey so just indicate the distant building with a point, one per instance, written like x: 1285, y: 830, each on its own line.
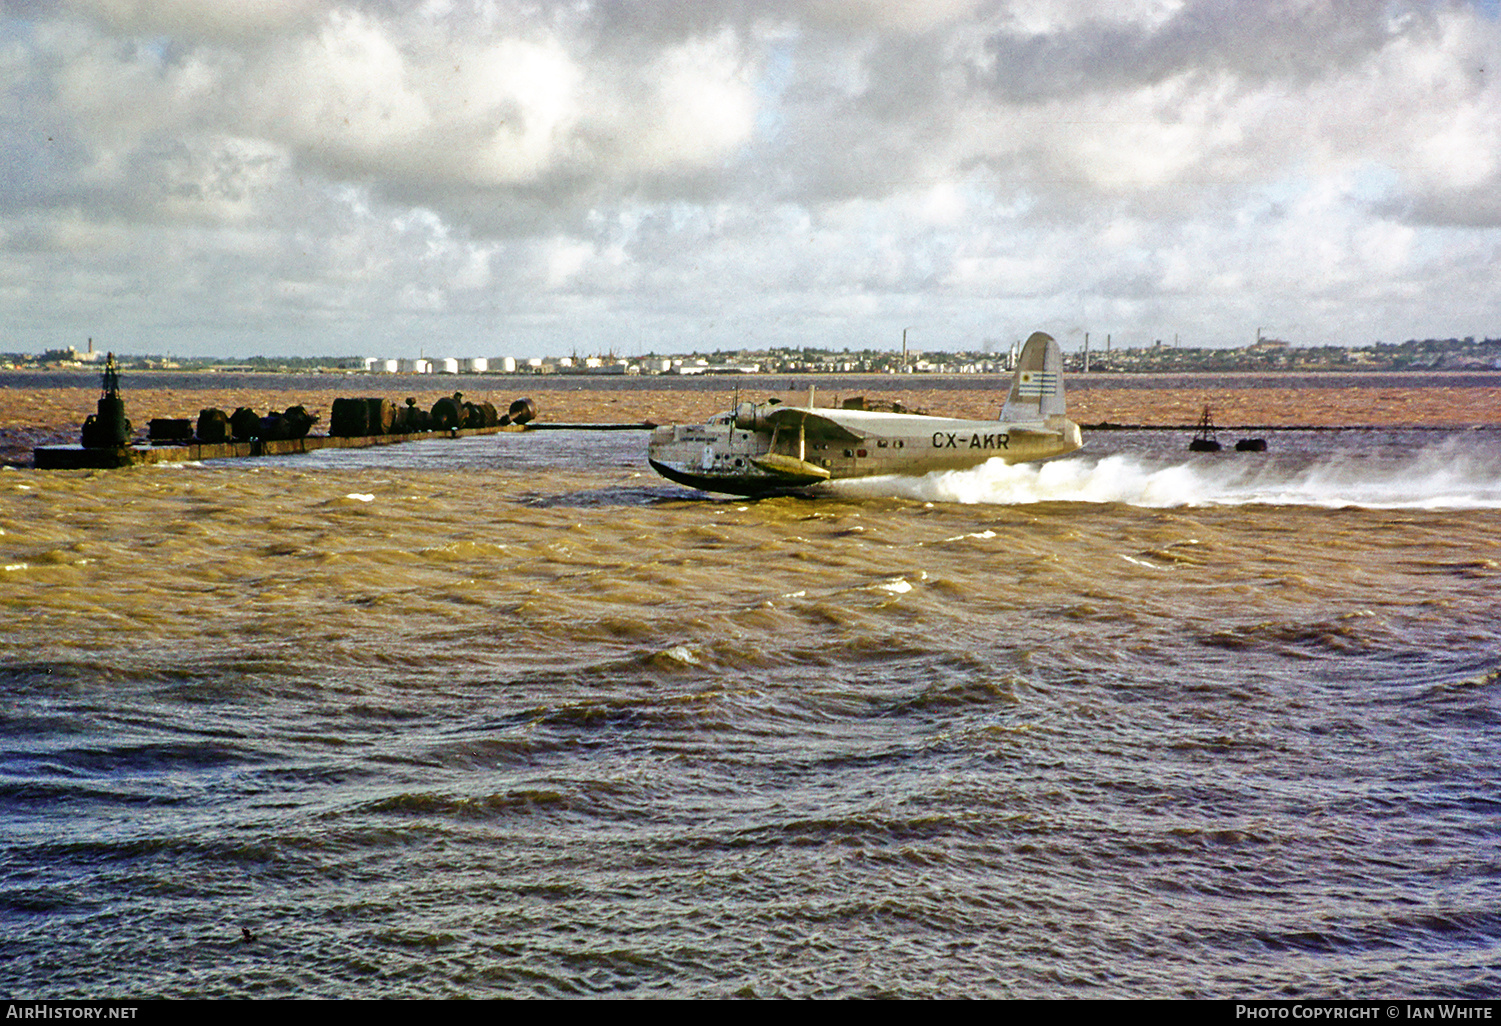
x: 70, y: 356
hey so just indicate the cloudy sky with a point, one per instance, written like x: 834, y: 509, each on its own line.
x: 499, y: 177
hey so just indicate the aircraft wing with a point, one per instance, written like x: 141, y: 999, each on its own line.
x: 823, y: 422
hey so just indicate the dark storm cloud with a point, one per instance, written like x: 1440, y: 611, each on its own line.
x: 1289, y: 41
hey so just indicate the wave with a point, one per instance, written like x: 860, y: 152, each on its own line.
x: 1458, y: 473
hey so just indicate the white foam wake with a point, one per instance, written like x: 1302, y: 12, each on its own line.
x: 1445, y: 476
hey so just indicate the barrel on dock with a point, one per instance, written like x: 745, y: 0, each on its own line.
x: 411, y: 419
x: 348, y: 419
x: 213, y: 427
x: 297, y: 421
x: 448, y: 413
x: 244, y: 424
x: 521, y: 411
x: 355, y: 418
x: 480, y: 415
x: 169, y: 429
x: 292, y: 423
x: 270, y: 429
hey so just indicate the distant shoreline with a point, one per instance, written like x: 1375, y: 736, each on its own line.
x: 45, y: 408
x: 350, y: 382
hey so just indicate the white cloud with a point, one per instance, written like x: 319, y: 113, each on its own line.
x: 566, y: 258
x: 885, y: 15
x: 731, y: 171
x: 201, y: 19
x: 706, y: 102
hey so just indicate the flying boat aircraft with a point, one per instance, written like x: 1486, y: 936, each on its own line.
x: 758, y: 448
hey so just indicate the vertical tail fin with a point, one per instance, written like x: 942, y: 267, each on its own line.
x: 1037, y: 387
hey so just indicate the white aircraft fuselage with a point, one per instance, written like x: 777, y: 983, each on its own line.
x: 759, y: 448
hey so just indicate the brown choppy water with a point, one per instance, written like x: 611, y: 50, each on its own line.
x: 510, y: 716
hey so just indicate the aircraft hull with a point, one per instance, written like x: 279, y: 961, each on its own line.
x: 723, y: 484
